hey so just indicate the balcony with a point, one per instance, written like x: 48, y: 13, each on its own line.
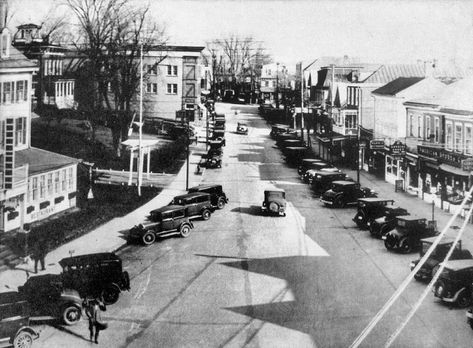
x: 342, y: 129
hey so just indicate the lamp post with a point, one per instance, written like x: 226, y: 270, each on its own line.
x: 277, y: 86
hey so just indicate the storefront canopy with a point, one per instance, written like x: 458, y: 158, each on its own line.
x: 453, y: 170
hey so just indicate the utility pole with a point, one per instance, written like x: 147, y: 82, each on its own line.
x: 358, y: 121
x: 140, y: 151
x: 277, y: 86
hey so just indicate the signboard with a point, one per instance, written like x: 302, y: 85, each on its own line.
x: 377, y: 144
x: 398, y: 149
x: 448, y: 157
x: 399, y: 185
x: 467, y: 164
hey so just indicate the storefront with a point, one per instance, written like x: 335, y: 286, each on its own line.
x: 412, y: 171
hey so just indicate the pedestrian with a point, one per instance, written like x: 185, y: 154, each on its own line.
x: 39, y: 254
x: 92, y: 310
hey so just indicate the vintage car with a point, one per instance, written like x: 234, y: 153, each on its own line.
x: 285, y: 136
x: 305, y: 165
x: 218, y: 135
x: 242, y: 128
x: 218, y: 198
x: 197, y: 204
x: 219, y: 124
x: 274, y: 202
x: 321, y: 180
x: 294, y: 154
x: 212, y: 161
x: 469, y: 317
x: 370, y: 209
x: 455, y: 283
x: 382, y: 225
x: 309, y: 175
x: 47, y: 296
x: 343, y: 193
x: 291, y: 143
x: 406, y: 236
x: 429, y: 268
x: 95, y: 275
x: 278, y: 129
x: 14, y: 321
x: 162, y: 221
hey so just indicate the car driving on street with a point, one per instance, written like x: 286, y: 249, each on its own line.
x: 197, y: 204
x: 274, y: 202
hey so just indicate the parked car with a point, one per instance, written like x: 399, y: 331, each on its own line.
x: 345, y: 192
x: 95, y: 275
x: 469, y: 317
x: 219, y: 124
x: 285, y: 136
x: 218, y: 198
x: 218, y: 135
x: 216, y: 143
x: 14, y: 321
x: 213, y: 161
x: 430, y: 266
x: 305, y: 165
x: 382, y: 225
x: 242, y: 128
x: 274, y: 202
x: 370, y: 209
x: 197, y: 204
x: 309, y: 175
x: 454, y: 284
x: 321, y: 180
x: 294, y: 154
x: 47, y: 296
x: 278, y: 129
x: 288, y: 143
x: 162, y: 221
x: 406, y: 236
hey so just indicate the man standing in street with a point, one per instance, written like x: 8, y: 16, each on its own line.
x: 39, y: 254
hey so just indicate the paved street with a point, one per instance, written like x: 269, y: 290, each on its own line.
x: 241, y: 279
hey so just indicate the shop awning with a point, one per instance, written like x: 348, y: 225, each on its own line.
x: 453, y: 170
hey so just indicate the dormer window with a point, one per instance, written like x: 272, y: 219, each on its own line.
x: 5, y: 43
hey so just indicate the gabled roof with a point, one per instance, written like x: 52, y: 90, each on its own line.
x: 389, y: 72
x: 397, y: 85
x: 16, y: 60
x: 41, y: 161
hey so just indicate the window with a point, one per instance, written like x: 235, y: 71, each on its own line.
x: 172, y: 70
x: 411, y: 125
x: 42, y: 186
x: 172, y: 88
x: 350, y: 120
x: 419, y: 126
x: 437, y: 129
x: 468, y: 140
x: 56, y: 182
x: 152, y: 88
x: 34, y: 193
x: 20, y: 131
x: 7, y: 92
x: 266, y: 83
x: 50, y: 184
x: 70, y: 182
x: 427, y: 127
x: 449, y: 135
x: 21, y: 89
x: 152, y: 69
x: 458, y: 137
x: 63, y: 179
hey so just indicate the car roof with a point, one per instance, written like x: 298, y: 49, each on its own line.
x: 375, y: 199
x: 311, y: 160
x: 295, y: 148
x: 444, y: 240
x: 456, y: 265
x: 344, y: 182
x: 410, y: 217
x: 326, y: 173
x: 167, y: 208
x: 192, y: 194
x: 274, y: 190
x: 87, y: 258
x: 204, y: 187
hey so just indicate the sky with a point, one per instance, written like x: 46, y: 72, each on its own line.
x: 295, y: 30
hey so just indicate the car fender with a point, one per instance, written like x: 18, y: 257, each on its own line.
x: 457, y: 294
x: 189, y: 223
x: 28, y: 329
x: 70, y: 296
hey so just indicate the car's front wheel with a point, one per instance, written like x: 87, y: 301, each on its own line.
x: 463, y: 300
x: 206, y: 214
x: 405, y: 246
x: 71, y: 314
x: 110, y: 294
x: 339, y: 202
x: 148, y: 238
x: 23, y: 340
x: 390, y: 242
x: 185, y: 231
x: 221, y: 203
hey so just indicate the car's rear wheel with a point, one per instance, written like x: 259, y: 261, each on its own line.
x: 23, y: 340
x: 148, y: 238
x: 206, y: 214
x: 185, y: 231
x: 274, y: 207
x: 110, y: 294
x: 339, y: 202
x: 221, y: 203
x: 384, y: 230
x: 71, y: 315
x: 390, y: 242
x: 405, y: 246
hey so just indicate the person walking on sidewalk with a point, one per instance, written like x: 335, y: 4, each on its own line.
x: 39, y: 254
x: 92, y: 310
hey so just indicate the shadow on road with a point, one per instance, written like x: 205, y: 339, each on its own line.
x: 251, y: 210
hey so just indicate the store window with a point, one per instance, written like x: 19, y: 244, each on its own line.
x: 458, y: 137
x: 389, y: 165
x: 449, y: 135
x: 468, y: 140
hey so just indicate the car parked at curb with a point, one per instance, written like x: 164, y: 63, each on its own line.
x: 242, y: 128
x: 455, y: 283
x: 306, y: 165
x: 274, y: 202
x: 278, y: 129
x: 321, y: 180
x: 218, y: 198
x: 47, y: 296
x: 294, y: 154
x: 407, y: 234
x: 310, y: 175
x: 370, y: 209
x: 197, y: 204
x: 15, y: 327
x: 382, y: 225
x: 99, y: 275
x: 429, y: 268
x: 343, y: 193
x: 162, y: 221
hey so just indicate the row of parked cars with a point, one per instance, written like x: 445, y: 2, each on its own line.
x: 400, y: 231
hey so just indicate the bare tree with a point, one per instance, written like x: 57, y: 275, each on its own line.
x: 113, y: 34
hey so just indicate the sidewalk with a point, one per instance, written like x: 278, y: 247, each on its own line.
x: 108, y: 237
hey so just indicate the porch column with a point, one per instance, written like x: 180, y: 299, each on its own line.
x: 130, y: 178
x: 148, y: 161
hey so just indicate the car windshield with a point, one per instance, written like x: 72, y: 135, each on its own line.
x: 275, y: 194
x: 337, y: 188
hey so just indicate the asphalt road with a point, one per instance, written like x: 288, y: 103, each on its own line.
x: 241, y: 279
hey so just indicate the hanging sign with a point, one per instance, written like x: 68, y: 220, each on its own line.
x: 377, y: 144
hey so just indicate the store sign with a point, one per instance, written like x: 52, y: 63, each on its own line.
x: 448, y: 157
x: 467, y: 164
x: 43, y: 213
x: 398, y: 149
x: 377, y: 144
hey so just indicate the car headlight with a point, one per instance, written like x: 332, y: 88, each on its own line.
x: 413, y: 265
